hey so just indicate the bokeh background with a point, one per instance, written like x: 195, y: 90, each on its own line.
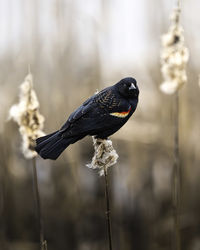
x: 74, y: 47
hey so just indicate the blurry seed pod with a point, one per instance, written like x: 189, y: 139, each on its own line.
x: 174, y: 57
x: 26, y: 114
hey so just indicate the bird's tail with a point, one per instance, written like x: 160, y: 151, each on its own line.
x: 52, y: 145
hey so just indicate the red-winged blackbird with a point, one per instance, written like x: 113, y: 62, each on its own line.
x: 101, y: 115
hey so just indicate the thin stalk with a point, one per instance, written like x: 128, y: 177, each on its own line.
x: 177, y: 170
x: 43, y: 243
x: 176, y: 175
x: 108, y: 219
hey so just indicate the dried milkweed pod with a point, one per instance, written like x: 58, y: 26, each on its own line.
x: 26, y: 114
x: 104, y: 157
x: 174, y: 56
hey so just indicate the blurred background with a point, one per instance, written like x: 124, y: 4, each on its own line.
x: 73, y: 48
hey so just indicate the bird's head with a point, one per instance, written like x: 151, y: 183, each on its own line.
x: 128, y: 87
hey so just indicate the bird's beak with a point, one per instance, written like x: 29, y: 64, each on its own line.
x: 132, y: 87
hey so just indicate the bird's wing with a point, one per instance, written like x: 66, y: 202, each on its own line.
x: 78, y: 113
x: 95, y: 111
x: 110, y: 101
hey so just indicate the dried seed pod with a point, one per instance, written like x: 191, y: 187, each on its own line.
x: 26, y: 114
x: 105, y: 155
x: 174, y: 57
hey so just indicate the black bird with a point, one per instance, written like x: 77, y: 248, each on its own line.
x: 101, y: 115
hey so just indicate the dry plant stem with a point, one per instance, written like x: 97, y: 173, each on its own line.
x: 176, y: 174
x: 178, y: 3
x: 43, y: 243
x: 108, y: 219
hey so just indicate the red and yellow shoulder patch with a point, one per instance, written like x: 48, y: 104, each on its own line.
x: 121, y: 114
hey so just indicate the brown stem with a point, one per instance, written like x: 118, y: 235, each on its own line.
x: 43, y: 243
x: 108, y: 219
x: 176, y: 175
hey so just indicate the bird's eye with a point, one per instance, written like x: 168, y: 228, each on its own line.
x: 127, y: 85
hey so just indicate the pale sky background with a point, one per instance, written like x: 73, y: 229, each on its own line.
x: 125, y: 35
x: 121, y: 28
